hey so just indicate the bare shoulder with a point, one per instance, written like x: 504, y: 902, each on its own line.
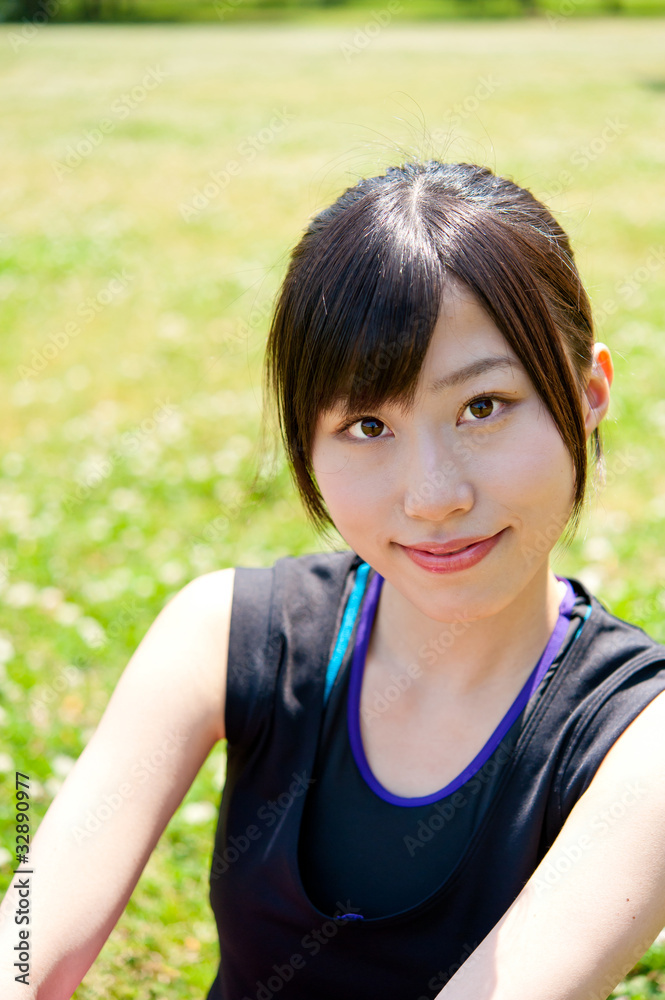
x: 210, y: 593
x: 178, y: 671
x: 201, y: 613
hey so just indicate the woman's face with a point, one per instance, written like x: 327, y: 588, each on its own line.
x: 478, y: 465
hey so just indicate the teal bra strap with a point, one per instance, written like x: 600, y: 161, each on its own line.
x: 346, y: 627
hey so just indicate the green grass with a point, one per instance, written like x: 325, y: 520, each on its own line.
x: 161, y: 379
x: 326, y: 11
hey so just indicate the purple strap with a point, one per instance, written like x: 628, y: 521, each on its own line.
x: 357, y: 668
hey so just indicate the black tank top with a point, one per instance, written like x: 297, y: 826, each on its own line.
x: 407, y: 845
x: 274, y: 938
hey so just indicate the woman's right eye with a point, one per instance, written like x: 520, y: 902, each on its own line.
x: 368, y: 427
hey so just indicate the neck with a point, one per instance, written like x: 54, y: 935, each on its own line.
x: 466, y: 657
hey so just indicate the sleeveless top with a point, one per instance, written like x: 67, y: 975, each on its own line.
x: 275, y: 937
x: 346, y: 797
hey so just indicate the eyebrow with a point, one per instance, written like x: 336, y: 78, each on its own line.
x: 470, y: 371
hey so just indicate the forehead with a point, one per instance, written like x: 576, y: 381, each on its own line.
x: 465, y: 344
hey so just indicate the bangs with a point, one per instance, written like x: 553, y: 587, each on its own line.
x: 372, y: 326
x: 366, y: 310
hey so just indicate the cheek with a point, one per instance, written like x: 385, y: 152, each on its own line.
x: 353, y: 490
x: 542, y: 476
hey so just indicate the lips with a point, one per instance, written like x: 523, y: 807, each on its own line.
x: 446, y: 548
x: 453, y: 556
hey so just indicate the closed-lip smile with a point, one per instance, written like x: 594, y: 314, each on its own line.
x: 453, y: 556
x: 444, y: 548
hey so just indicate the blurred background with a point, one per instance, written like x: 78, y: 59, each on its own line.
x: 159, y: 160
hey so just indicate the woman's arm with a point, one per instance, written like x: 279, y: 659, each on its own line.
x: 165, y: 715
x: 597, y: 901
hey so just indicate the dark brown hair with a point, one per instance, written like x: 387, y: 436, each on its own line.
x: 363, y: 290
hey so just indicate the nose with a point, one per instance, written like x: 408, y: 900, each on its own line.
x: 437, y: 484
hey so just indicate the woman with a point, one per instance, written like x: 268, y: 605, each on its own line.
x: 443, y: 760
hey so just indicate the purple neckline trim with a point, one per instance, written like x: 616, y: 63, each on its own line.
x: 365, y: 622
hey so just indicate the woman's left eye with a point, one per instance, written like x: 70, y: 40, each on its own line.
x: 482, y: 407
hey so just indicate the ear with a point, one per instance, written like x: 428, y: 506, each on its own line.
x: 596, y: 398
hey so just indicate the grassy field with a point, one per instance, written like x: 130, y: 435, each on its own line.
x: 153, y: 181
